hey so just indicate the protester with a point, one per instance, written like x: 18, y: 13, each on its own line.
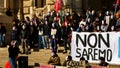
x: 68, y: 59
x: 39, y: 31
x: 16, y: 28
x: 53, y: 38
x: 46, y: 33
x: 107, y: 17
x: 112, y: 23
x: 41, y: 39
x: 13, y: 54
x: 24, y: 36
x: 64, y: 37
x: 75, y: 20
x: 82, y: 22
x: 81, y: 28
x: 2, y: 35
x: 29, y: 28
x: 118, y: 22
x: 85, y: 62
x: 54, y: 60
x: 34, y: 31
x: 103, y: 63
x: 14, y: 36
x: 104, y: 26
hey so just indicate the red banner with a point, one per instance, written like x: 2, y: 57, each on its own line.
x: 58, y: 5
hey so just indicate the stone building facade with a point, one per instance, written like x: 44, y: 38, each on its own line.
x: 21, y: 8
x: 77, y: 5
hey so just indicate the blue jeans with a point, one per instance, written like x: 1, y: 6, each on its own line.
x: 2, y: 39
x: 54, y: 45
x: 41, y: 41
x: 46, y: 42
x: 12, y: 62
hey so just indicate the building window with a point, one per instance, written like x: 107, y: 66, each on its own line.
x: 39, y: 3
x: 42, y: 4
x: 36, y: 4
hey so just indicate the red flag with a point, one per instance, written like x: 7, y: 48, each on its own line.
x: 58, y: 5
x: 117, y: 2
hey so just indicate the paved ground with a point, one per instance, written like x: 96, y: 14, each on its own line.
x: 41, y: 57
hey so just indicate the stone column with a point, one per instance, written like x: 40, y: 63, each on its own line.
x: 39, y: 4
x: 49, y: 4
x: 77, y: 5
x: 67, y: 5
x: 21, y: 9
x: 6, y: 4
x: 86, y: 4
x: 31, y: 8
x: 1, y: 7
x: 11, y: 7
x: 14, y: 6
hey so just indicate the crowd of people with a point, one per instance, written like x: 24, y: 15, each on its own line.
x: 70, y: 63
x: 56, y: 28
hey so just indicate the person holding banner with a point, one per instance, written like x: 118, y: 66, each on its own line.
x: 85, y: 62
x: 103, y: 63
x: 68, y: 59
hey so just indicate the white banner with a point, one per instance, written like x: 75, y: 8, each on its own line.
x: 94, y: 45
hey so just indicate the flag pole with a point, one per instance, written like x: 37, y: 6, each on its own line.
x: 116, y: 5
x: 115, y: 8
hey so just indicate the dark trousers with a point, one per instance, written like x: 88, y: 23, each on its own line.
x: 65, y: 44
x: 2, y: 40
x: 13, y: 63
x: 54, y: 45
x: 24, y: 45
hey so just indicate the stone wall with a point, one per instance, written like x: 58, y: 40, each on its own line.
x: 1, y: 6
